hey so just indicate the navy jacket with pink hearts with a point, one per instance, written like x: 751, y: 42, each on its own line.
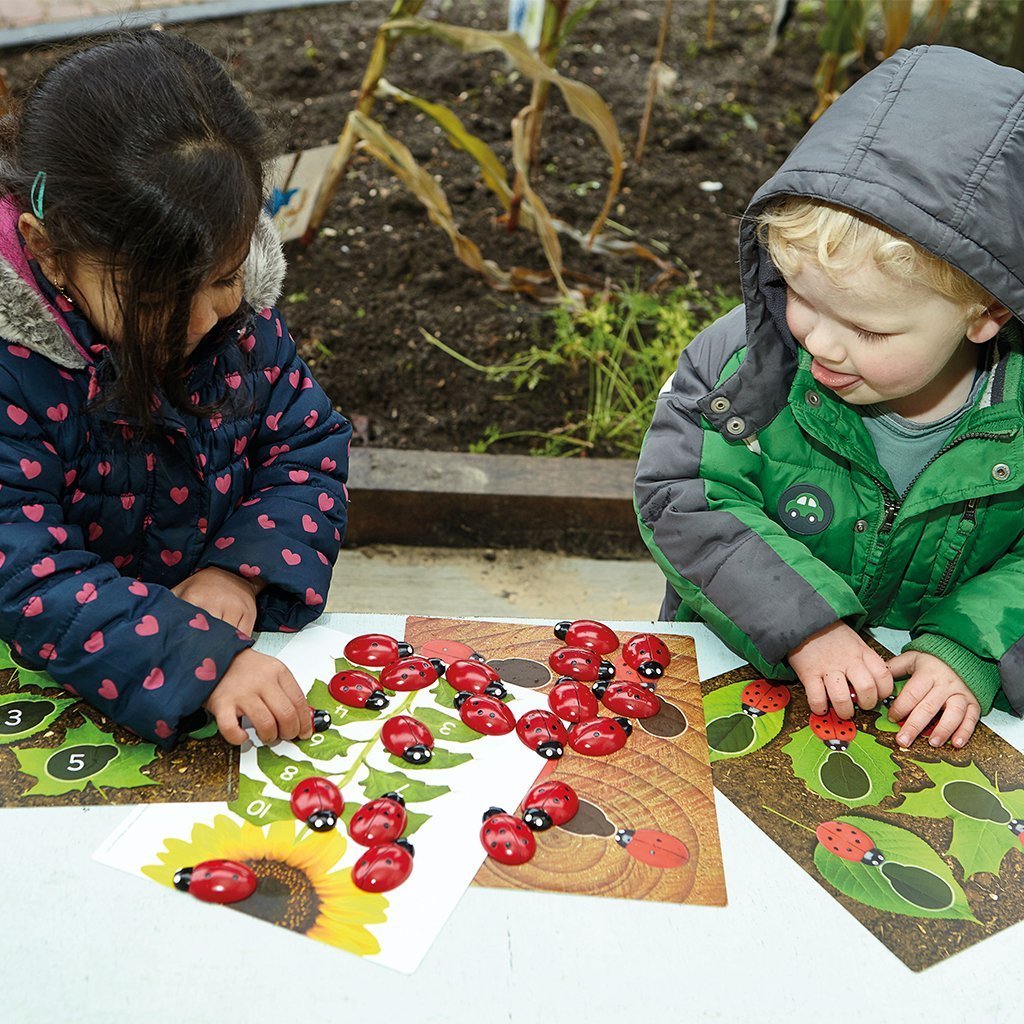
x: 98, y: 522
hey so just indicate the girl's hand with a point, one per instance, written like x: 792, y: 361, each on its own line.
x: 932, y: 687
x: 223, y: 594
x: 832, y: 661
x: 263, y: 690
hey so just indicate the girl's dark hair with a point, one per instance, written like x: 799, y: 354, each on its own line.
x: 154, y: 168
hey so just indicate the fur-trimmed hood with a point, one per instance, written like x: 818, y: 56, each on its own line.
x: 30, y: 319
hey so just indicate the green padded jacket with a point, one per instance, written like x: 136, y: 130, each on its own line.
x: 758, y: 491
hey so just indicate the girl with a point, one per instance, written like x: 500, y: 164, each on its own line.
x: 171, y: 477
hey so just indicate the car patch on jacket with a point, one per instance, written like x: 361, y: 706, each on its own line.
x: 805, y: 509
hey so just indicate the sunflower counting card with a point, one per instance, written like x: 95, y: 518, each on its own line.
x: 304, y: 876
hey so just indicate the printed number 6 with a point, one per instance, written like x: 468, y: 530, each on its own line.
x: 76, y: 762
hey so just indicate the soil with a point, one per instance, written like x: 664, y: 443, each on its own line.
x: 357, y: 298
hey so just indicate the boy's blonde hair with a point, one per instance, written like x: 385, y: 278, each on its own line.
x: 839, y: 241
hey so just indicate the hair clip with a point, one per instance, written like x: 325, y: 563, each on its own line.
x: 38, y: 191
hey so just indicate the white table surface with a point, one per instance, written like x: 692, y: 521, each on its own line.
x: 84, y: 942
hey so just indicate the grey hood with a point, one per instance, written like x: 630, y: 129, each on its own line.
x: 931, y: 144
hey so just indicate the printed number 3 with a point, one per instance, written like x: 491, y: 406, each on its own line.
x: 13, y: 717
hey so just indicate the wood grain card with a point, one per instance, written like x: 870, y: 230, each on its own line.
x: 57, y: 750
x: 923, y: 846
x: 654, y: 792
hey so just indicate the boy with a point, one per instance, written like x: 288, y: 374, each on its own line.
x: 846, y: 447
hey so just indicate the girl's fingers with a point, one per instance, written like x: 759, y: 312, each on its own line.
x: 263, y: 721
x: 963, y: 734
x: 288, y: 723
x: 230, y: 729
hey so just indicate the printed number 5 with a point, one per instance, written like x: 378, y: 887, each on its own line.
x: 76, y: 762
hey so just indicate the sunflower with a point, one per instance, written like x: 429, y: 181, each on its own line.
x: 296, y: 889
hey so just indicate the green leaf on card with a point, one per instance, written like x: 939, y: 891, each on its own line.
x: 282, y: 771
x: 87, y: 756
x: 913, y: 879
x: 441, y: 759
x: 23, y: 715
x: 444, y: 726
x: 984, y: 817
x: 378, y: 782
x: 731, y: 732
x: 253, y: 803
x: 860, y: 776
x: 326, y: 745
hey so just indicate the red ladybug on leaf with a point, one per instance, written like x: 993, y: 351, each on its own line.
x: 835, y: 732
x: 411, y: 673
x: 630, y: 700
x: 318, y: 802
x: 408, y: 738
x: 849, y: 842
x: 357, y: 689
x: 572, y: 701
x: 763, y: 698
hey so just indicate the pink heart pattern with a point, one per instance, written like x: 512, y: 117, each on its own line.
x: 170, y: 513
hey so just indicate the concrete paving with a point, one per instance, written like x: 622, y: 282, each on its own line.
x: 482, y: 581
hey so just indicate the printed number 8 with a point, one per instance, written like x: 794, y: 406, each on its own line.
x: 289, y: 773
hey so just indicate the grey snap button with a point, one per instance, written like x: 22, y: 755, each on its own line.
x: 720, y: 404
x: 735, y: 425
x: 813, y: 398
x: 1000, y: 471
x: 860, y: 526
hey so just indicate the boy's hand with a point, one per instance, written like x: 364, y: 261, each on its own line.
x: 832, y: 661
x: 932, y: 687
x: 223, y: 594
x: 263, y: 690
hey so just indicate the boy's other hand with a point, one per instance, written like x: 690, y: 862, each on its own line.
x: 222, y: 594
x: 262, y: 689
x: 831, y: 662
x: 932, y: 687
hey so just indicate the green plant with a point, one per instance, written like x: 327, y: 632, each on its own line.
x: 522, y: 205
x: 627, y: 342
x: 844, y: 38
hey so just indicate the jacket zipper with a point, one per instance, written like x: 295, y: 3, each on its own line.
x: 967, y: 523
x: 893, y: 504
